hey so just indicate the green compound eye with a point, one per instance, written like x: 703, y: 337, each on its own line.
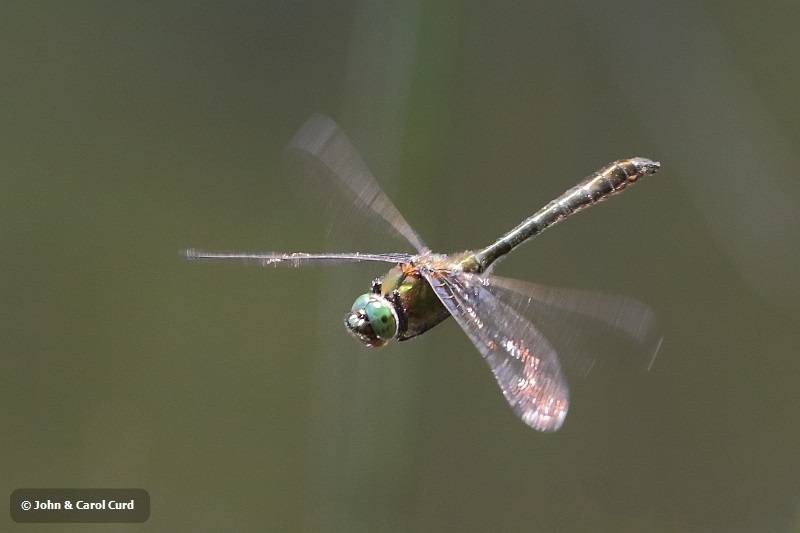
x: 360, y: 303
x: 381, y: 319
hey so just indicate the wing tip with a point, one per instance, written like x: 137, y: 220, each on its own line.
x: 545, y: 420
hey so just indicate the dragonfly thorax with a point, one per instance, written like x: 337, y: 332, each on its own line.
x: 372, y: 319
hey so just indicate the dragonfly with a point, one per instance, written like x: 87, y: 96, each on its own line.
x: 424, y: 288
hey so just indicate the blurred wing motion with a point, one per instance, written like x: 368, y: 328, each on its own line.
x: 523, y: 361
x: 584, y: 324
x: 321, y: 156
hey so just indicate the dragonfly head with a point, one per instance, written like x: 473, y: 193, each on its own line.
x: 372, y: 320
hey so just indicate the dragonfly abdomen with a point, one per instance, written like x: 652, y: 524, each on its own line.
x: 609, y: 180
x: 606, y: 182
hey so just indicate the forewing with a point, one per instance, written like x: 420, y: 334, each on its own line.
x: 523, y: 361
x: 298, y: 258
x: 322, y: 158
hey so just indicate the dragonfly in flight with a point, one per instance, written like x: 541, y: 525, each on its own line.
x: 424, y: 288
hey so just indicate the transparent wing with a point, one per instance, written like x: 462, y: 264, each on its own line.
x: 298, y: 258
x: 321, y: 157
x: 523, y: 361
x: 584, y: 325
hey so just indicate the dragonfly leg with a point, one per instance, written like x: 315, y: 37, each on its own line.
x: 402, y: 322
x: 376, y: 286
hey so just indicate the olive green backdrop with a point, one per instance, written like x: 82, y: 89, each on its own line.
x: 131, y: 131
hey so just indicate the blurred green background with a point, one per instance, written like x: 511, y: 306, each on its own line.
x: 131, y: 131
